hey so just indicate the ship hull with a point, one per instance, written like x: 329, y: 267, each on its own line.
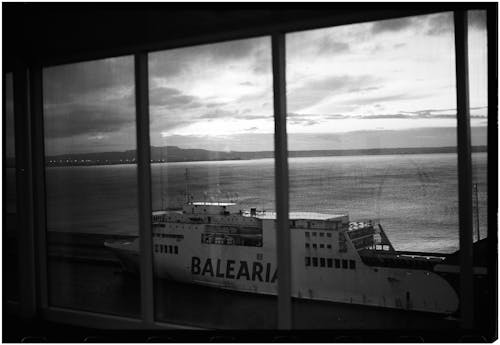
x: 213, y: 244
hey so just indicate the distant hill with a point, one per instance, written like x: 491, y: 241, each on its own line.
x: 176, y: 154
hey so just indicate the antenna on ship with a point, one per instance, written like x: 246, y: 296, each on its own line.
x: 162, y: 192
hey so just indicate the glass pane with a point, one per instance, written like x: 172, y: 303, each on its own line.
x: 213, y: 184
x: 478, y: 93
x: 478, y: 89
x: 10, y: 254
x: 372, y: 140
x: 91, y: 185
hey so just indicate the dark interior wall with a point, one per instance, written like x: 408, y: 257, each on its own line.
x: 57, y: 33
x: 51, y: 31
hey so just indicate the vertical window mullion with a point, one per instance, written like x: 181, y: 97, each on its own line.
x: 492, y: 65
x: 464, y: 170
x: 24, y: 190
x: 39, y: 196
x: 281, y: 182
x: 144, y: 186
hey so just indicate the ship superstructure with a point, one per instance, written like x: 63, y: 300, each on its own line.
x: 333, y: 259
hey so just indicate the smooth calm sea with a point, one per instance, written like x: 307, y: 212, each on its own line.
x: 414, y: 197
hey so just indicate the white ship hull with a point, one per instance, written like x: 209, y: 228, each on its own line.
x: 202, y: 249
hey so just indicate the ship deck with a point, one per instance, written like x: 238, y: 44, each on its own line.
x: 401, y: 259
x: 298, y: 215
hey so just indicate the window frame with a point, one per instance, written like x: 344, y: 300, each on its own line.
x: 30, y: 161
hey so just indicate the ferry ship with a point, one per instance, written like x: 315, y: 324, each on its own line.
x: 220, y: 245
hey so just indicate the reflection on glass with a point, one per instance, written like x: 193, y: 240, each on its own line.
x: 478, y: 93
x: 89, y: 123
x: 372, y: 140
x: 10, y: 255
x: 213, y: 185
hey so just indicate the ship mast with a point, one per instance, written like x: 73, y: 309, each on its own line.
x: 187, y: 186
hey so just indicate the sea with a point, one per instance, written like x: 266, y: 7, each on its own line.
x: 413, y: 197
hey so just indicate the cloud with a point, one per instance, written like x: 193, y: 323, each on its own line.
x: 63, y: 122
x: 390, y: 25
x: 233, y: 50
x: 174, y: 62
x: 255, y: 117
x: 218, y: 114
x: 364, y: 100
x: 477, y: 19
x: 433, y: 25
x: 298, y: 118
x: 304, y: 119
x: 172, y: 98
x: 362, y: 89
x: 439, y: 24
x: 303, y: 122
x: 89, y: 98
x: 327, y: 45
x: 164, y: 123
x: 317, y: 90
x: 99, y: 78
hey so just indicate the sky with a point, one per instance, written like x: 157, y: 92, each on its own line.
x: 379, y: 84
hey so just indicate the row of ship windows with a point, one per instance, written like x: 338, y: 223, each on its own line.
x: 163, y: 225
x: 167, y: 249
x: 321, y: 234
x: 328, y: 262
x: 160, y: 235
x: 314, y: 245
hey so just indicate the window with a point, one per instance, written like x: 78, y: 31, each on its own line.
x: 353, y: 94
x: 11, y: 285
x: 211, y: 115
x: 478, y: 93
x: 338, y: 101
x: 315, y: 262
x: 91, y: 189
x: 375, y: 87
x: 315, y: 245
